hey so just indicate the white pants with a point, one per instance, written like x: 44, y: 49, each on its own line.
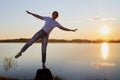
x: 44, y: 38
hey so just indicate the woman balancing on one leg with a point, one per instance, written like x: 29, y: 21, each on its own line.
x: 50, y: 23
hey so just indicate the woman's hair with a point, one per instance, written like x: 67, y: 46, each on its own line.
x: 55, y: 13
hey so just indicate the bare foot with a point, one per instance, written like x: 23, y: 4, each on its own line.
x: 18, y: 55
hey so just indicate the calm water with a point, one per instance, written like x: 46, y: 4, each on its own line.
x: 66, y: 60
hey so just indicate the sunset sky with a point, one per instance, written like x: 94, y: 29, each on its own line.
x: 94, y: 19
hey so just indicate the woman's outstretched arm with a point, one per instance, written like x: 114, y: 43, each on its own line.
x: 66, y: 29
x: 35, y: 15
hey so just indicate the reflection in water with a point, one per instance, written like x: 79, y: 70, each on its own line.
x: 99, y: 65
x: 105, y: 49
x: 9, y: 63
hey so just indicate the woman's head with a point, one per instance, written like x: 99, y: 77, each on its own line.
x: 55, y: 14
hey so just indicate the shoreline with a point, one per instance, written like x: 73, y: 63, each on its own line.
x: 7, y: 78
x: 24, y: 40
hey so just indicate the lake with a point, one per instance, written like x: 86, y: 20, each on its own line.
x: 70, y: 61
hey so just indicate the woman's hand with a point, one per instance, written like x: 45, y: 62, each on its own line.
x: 28, y: 12
x: 74, y: 30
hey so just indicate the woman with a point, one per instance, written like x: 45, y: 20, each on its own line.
x: 50, y: 23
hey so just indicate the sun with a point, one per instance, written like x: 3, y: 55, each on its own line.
x: 104, y: 30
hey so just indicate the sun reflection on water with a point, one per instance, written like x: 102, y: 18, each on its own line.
x: 105, y: 50
x: 105, y: 53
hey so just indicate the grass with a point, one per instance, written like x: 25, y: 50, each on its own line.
x: 57, y: 78
x: 6, y: 78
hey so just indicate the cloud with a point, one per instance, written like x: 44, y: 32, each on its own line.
x: 99, y: 65
x: 101, y: 19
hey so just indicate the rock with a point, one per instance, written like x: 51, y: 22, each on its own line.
x: 43, y: 74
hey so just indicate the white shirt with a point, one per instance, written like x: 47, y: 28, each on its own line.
x: 50, y: 24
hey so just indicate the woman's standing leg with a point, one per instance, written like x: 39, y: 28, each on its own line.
x: 44, y: 48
